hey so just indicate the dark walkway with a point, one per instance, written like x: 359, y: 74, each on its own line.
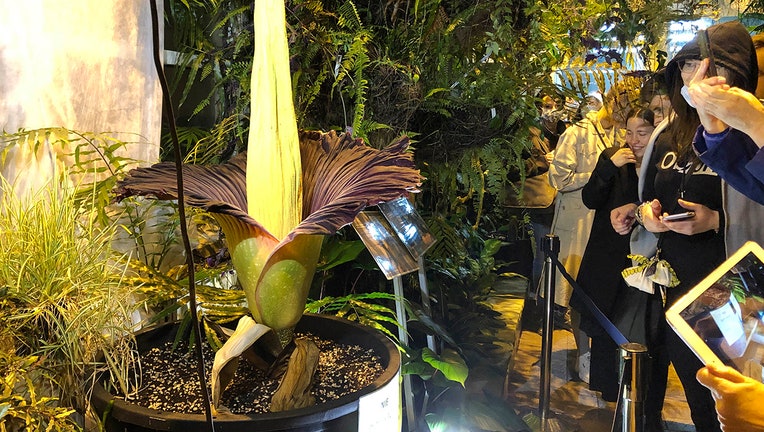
x: 573, y: 406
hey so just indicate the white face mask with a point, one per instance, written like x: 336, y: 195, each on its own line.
x: 571, y: 105
x: 686, y: 95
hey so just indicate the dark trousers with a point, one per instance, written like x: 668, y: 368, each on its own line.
x: 656, y: 385
x: 686, y: 364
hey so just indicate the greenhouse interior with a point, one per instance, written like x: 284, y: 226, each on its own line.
x: 403, y: 216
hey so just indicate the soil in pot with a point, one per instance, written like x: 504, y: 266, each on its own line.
x: 376, y: 406
x: 170, y: 383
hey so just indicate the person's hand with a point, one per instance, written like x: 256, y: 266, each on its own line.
x: 720, y: 105
x: 701, y: 90
x: 549, y: 157
x: 622, y: 156
x: 738, y: 108
x: 704, y: 220
x: 651, y: 216
x: 622, y: 218
x: 738, y: 398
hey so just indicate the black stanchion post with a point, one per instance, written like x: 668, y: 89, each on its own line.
x: 551, y: 249
x: 633, y: 367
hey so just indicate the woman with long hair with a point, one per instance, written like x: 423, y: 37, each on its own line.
x: 612, y: 184
x: 695, y: 246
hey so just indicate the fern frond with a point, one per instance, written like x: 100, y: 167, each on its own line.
x: 449, y: 243
x: 208, y: 148
x: 347, y: 17
x: 226, y: 19
x: 201, y: 106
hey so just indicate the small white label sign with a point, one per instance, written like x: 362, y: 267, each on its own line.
x: 380, y: 411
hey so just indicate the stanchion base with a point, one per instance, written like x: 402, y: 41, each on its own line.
x: 554, y: 423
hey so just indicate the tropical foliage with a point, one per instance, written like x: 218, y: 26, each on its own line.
x: 463, y: 79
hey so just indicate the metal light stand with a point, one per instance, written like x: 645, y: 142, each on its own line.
x: 425, y: 299
x: 416, y: 237
x: 551, y: 246
x: 397, y: 238
x: 633, y: 361
x: 403, y: 336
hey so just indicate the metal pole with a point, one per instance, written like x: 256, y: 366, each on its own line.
x: 425, y: 299
x: 551, y: 250
x: 633, y: 367
x: 403, y: 336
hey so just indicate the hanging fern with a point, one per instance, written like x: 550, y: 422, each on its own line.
x: 347, y: 17
x: 449, y: 244
x: 495, y: 159
x: 350, y: 76
x: 209, y: 146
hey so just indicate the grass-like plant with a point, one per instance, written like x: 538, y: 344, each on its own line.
x: 62, y: 305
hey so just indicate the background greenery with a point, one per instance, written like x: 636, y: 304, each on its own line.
x: 463, y: 79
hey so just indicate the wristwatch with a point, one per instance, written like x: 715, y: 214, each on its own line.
x: 638, y: 214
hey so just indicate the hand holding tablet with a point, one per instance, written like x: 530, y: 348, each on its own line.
x: 722, y: 318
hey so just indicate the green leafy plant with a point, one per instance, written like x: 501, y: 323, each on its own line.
x: 364, y: 308
x: 66, y: 310
x: 64, y: 313
x: 22, y: 407
x: 461, y: 271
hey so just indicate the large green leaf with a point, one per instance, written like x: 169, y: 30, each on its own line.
x: 334, y: 253
x: 450, y: 363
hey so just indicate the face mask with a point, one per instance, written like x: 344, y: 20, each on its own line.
x: 592, y: 108
x: 571, y: 105
x: 686, y: 95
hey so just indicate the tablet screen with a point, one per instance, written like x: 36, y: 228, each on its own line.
x: 722, y: 318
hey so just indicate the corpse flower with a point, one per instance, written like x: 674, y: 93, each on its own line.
x: 340, y: 177
x: 276, y: 202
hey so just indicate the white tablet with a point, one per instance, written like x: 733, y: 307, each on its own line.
x: 722, y: 318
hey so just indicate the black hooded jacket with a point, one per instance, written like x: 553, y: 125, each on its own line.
x: 693, y: 257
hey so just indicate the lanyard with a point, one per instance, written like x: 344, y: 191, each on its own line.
x: 687, y: 169
x: 601, y: 137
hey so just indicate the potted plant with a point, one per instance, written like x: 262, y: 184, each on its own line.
x: 277, y: 202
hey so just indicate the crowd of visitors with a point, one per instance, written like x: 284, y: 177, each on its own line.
x: 690, y: 143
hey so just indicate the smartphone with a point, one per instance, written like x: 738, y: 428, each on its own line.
x: 679, y: 216
x: 705, y: 52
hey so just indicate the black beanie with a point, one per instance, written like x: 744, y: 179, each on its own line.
x: 733, y: 49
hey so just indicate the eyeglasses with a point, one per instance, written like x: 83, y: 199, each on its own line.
x: 689, y: 66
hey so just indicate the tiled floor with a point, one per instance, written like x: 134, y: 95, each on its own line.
x: 573, y: 407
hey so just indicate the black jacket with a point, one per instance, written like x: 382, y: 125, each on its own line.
x: 605, y: 256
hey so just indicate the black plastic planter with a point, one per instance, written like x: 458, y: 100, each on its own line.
x: 376, y: 407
